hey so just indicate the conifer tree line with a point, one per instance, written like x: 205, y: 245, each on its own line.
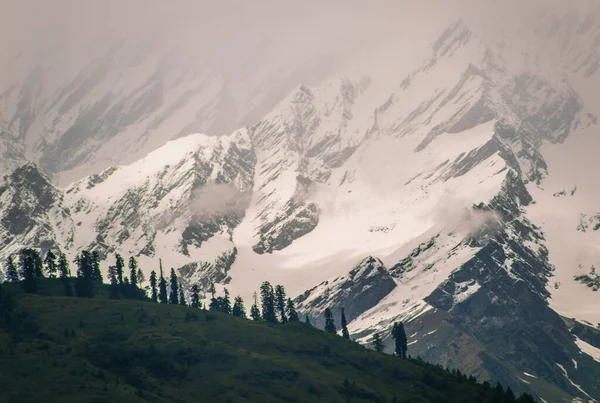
x: 274, y: 305
x: 28, y: 266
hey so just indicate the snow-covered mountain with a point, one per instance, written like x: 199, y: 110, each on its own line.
x: 458, y: 197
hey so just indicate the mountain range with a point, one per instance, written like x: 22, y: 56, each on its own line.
x: 458, y: 197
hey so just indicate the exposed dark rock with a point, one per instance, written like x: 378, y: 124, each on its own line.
x: 358, y: 291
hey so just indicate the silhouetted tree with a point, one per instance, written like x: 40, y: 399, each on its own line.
x: 212, y: 305
x: 400, y: 340
x: 114, y: 282
x: 254, y: 310
x: 162, y: 287
x: 153, y: 287
x: 96, y: 274
x: 345, y: 332
x: 226, y: 308
x: 11, y: 271
x: 84, y: 283
x: 140, y: 278
x: 174, y: 284
x: 238, y: 309
x: 181, y: 295
x: 292, y: 314
x: 267, y: 300
x: 509, y: 396
x: 280, y: 299
x: 64, y: 271
x: 377, y: 343
x: 329, y: 322
x: 133, y: 270
x: 30, y: 269
x: 307, y: 320
x: 120, y: 265
x: 50, y: 264
x: 195, y: 296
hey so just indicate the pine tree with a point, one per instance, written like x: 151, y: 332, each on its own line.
x: 345, y: 332
x: 181, y: 295
x: 212, y: 305
x: 64, y: 270
x: 226, y: 308
x: 400, y: 340
x: 28, y: 261
x: 120, y: 265
x: 254, y: 310
x: 11, y: 272
x: 133, y: 269
x: 195, y: 296
x: 140, y: 277
x: 377, y: 343
x: 65, y: 273
x: 96, y: 274
x: 153, y: 286
x: 50, y: 264
x: 174, y: 284
x: 329, y: 322
x: 38, y: 263
x: 84, y: 283
x: 307, y: 320
x: 114, y: 282
x: 267, y: 300
x: 162, y: 287
x: 238, y: 309
x: 280, y: 299
x: 292, y: 314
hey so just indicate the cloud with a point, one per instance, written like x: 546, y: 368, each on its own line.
x: 219, y: 199
x: 457, y: 214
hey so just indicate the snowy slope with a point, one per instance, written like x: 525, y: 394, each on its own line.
x: 424, y: 195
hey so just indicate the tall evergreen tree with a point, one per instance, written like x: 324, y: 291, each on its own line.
x: 64, y: 273
x: 174, y: 292
x: 140, y: 277
x: 345, y: 332
x: 292, y: 314
x: 307, y: 320
x: 114, y: 282
x: 153, y: 286
x: 11, y: 272
x: 254, y: 310
x: 38, y: 263
x: 212, y: 305
x: 226, y: 308
x: 96, y: 273
x: 195, y: 296
x: 400, y: 340
x: 377, y: 343
x: 238, y: 309
x: 181, y: 295
x: 29, y: 259
x: 329, y: 322
x: 120, y: 265
x: 280, y: 299
x: 133, y: 269
x: 162, y: 287
x: 50, y: 264
x: 84, y: 283
x: 267, y: 300
x: 64, y: 269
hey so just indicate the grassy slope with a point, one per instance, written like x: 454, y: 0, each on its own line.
x: 58, y: 349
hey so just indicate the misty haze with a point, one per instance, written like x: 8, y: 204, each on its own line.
x: 269, y: 201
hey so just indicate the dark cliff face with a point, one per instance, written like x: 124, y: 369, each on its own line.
x: 357, y: 292
x: 27, y: 200
x: 505, y: 327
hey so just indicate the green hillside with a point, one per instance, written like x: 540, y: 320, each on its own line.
x: 66, y: 349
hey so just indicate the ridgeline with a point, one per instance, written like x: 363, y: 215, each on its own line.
x: 55, y: 348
